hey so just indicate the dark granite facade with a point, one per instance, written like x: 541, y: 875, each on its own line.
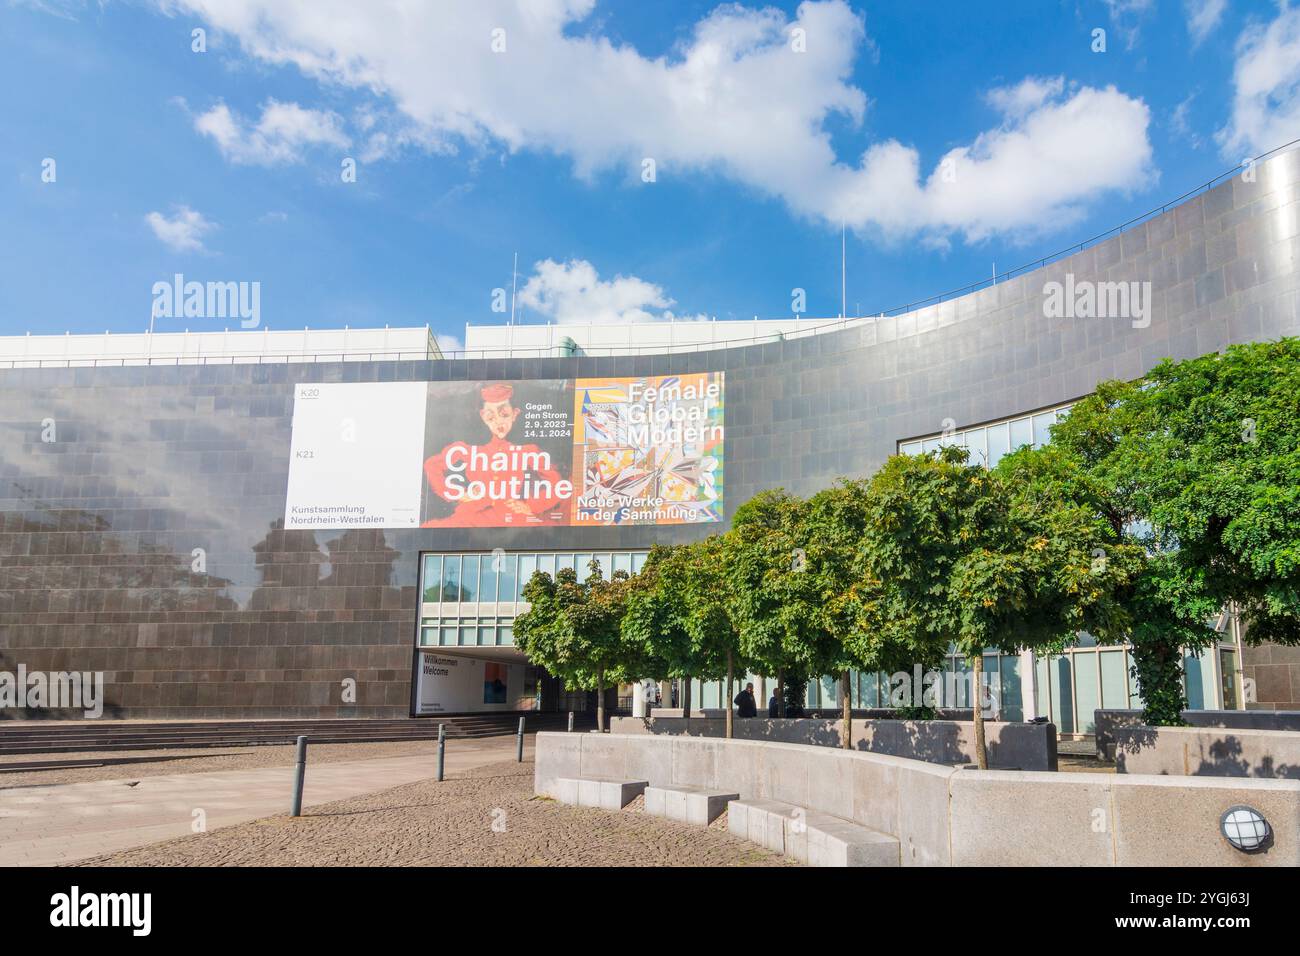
x: 98, y: 528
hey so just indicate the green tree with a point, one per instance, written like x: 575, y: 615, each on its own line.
x: 677, y: 612
x: 1095, y: 462
x: 954, y: 554
x: 573, y: 629
x: 1213, y: 450
x: 772, y: 595
x: 833, y: 525
x: 1198, y: 464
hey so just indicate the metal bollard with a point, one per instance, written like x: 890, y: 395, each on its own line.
x: 442, y: 748
x: 299, y: 775
x: 570, y: 721
x: 519, y: 744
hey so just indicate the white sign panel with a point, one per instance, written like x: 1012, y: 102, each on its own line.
x: 356, y: 455
x: 458, y: 685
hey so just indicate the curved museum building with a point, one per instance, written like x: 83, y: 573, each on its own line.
x: 319, y: 524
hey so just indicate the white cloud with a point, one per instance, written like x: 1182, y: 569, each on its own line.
x: 1126, y: 17
x: 1202, y: 17
x: 1266, y: 82
x: 183, y: 232
x: 284, y: 131
x: 572, y: 291
x: 449, y: 344
x: 1180, y: 123
x: 1032, y: 174
x: 733, y: 99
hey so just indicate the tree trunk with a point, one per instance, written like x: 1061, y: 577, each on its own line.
x: 846, y: 706
x: 780, y: 693
x: 600, y: 699
x: 686, y: 697
x: 731, y: 716
x: 977, y: 673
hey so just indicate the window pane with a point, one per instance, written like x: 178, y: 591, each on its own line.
x: 1198, y: 673
x: 546, y: 562
x: 1022, y: 433
x: 1113, y: 689
x: 467, y: 635
x: 1042, y: 428
x: 1013, y: 707
x: 451, y: 577
x: 638, y: 562
x: 1062, y: 694
x: 432, y: 577
x: 487, y: 636
x: 580, y: 562
x: 487, y: 586
x: 623, y: 562
x: 563, y: 561
x: 930, y: 444
x: 507, y: 635
x: 1085, y: 690
x: 469, y: 577
x: 508, y: 578
x: 448, y: 636
x: 999, y: 440
x: 910, y: 448
x: 527, y: 567
x: 870, y: 690
x: 976, y: 444
x: 1228, y: 671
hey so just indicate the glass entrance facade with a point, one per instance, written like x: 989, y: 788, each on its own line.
x: 471, y: 599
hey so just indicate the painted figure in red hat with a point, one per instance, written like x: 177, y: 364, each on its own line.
x: 499, y: 483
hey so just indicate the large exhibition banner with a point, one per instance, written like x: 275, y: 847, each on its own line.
x: 495, y: 454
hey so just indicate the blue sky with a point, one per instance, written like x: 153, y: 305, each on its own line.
x: 947, y: 135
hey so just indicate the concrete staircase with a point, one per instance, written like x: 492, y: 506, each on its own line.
x: 36, y: 737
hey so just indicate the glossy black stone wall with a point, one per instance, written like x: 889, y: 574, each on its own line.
x: 98, y: 528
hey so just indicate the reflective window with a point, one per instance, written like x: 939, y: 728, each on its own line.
x: 999, y: 442
x: 432, y: 578
x: 987, y: 444
x: 467, y: 579
x: 1022, y: 433
x: 1043, y: 428
x: 451, y: 577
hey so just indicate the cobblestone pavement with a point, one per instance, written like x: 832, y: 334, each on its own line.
x: 487, y: 816
x: 207, y: 759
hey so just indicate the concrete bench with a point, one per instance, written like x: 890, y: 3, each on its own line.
x: 693, y: 805
x: 598, y: 792
x: 810, y: 836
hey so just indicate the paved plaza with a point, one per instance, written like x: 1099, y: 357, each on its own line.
x: 380, y: 810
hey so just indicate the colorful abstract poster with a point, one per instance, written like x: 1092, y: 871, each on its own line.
x: 508, y: 454
x: 648, y: 450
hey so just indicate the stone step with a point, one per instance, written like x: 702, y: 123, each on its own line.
x: 601, y: 793
x: 693, y: 805
x: 810, y: 836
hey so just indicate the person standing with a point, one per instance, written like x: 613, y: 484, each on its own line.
x: 745, y: 704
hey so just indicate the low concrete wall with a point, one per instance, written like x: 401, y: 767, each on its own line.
x: 1010, y: 746
x: 1105, y: 720
x: 1207, y: 752
x: 943, y: 816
